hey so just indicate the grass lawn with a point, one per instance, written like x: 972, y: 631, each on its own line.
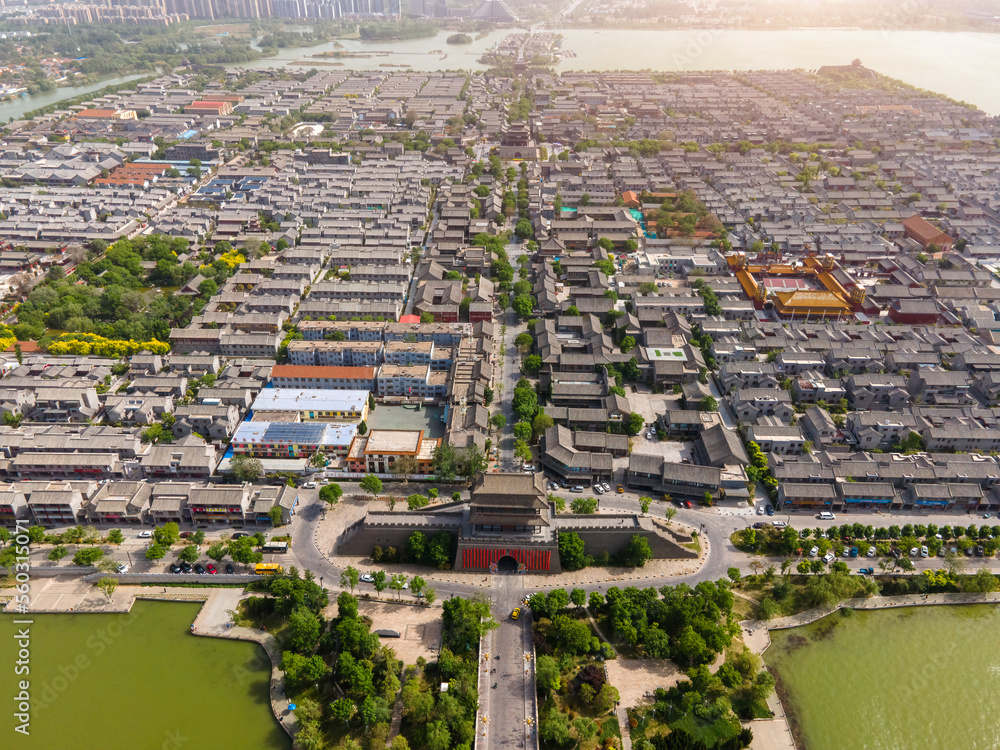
x: 711, y: 733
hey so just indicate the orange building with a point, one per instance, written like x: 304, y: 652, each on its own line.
x: 922, y: 231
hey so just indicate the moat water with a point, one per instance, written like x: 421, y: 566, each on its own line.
x: 138, y: 681
x: 915, y: 677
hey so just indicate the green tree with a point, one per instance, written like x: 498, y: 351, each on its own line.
x: 531, y: 364
x: 627, y: 344
x: 246, y: 468
x: 572, y: 554
x: 331, y: 493
x: 637, y: 552
x: 634, y: 423
x: 303, y: 630
x: 708, y: 403
x: 108, y: 586
x: 583, y: 505
x: 371, y: 484
x: 547, y: 673
x: 380, y: 583
x: 189, y: 554
x: 343, y: 709
x: 397, y: 583
x: 167, y: 534
x: 217, y: 551
x: 87, y: 556
x: 350, y: 577
x: 644, y: 503
x: 498, y: 420
x: 155, y: 552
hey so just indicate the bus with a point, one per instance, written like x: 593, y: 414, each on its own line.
x: 266, y: 569
x: 272, y: 547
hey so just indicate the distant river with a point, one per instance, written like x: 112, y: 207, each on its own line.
x: 16, y: 109
x: 963, y: 65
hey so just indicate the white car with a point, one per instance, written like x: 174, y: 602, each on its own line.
x: 309, y: 486
x: 145, y: 534
x: 914, y: 552
x: 606, y: 487
x: 779, y: 524
x: 367, y: 577
x: 924, y: 552
x: 122, y: 568
x: 760, y: 510
x: 598, y: 489
x: 813, y: 552
x: 871, y: 551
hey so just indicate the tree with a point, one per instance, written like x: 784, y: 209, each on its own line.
x: 189, y: 553
x: 547, y: 673
x: 572, y: 553
x: 531, y: 365
x: 155, y: 552
x: 397, y: 583
x: 628, y: 344
x: 438, y: 736
x: 167, y: 534
x: 350, y: 577
x: 583, y: 505
x: 108, y: 585
x: 634, y: 423
x: 523, y: 305
x: 246, y: 468
x: 317, y: 460
x: 362, y: 427
x: 87, y: 556
x: 488, y: 396
x: 523, y: 431
x: 343, y: 709
x: 523, y: 229
x: 371, y: 484
x: 708, y: 403
x: 524, y: 340
x: 380, y: 583
x: 303, y: 630
x: 404, y: 467
x: 637, y: 551
x: 981, y: 582
x: 644, y: 503
x: 669, y: 512
x: 331, y: 493
x: 115, y: 536
x: 243, y: 552
x: 217, y: 551
x: 499, y: 421
x: 276, y: 514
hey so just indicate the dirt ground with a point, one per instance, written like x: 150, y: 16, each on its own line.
x: 420, y: 628
x: 634, y: 678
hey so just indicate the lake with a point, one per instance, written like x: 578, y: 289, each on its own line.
x: 139, y: 681
x: 963, y: 65
x: 915, y: 677
x: 15, y: 109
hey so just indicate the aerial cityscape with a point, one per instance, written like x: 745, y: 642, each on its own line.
x: 439, y: 375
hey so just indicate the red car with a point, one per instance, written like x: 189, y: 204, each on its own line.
x: 211, y: 569
x: 687, y: 503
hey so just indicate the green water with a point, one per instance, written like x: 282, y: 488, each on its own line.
x: 919, y: 677
x: 137, y: 681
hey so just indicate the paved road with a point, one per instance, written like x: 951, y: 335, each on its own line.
x: 511, y: 365
x: 511, y: 702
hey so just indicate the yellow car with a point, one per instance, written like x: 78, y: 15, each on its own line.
x: 516, y: 613
x: 621, y: 490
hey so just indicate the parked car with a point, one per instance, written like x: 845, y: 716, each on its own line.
x: 969, y: 552
x: 854, y: 551
x: 895, y: 553
x: 211, y: 569
x: 769, y: 510
x: 367, y: 578
x: 621, y: 490
x: 760, y: 510
x: 230, y: 570
x: 779, y: 524
x: 606, y: 487
x: 827, y: 516
x: 914, y: 551
x: 980, y: 551
x: 829, y: 557
x: 145, y: 534
x: 239, y: 535
x: 871, y: 551
x: 866, y: 571
x: 122, y: 567
x: 598, y: 489
x: 578, y: 488
x: 924, y: 552
x: 199, y: 569
x: 813, y: 552
x: 175, y: 568
x: 309, y: 486
x: 185, y: 534
x: 846, y: 552
x: 687, y: 503
x: 940, y: 552
x: 185, y: 566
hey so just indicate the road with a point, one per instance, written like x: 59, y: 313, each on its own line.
x: 510, y: 371
x: 511, y: 702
